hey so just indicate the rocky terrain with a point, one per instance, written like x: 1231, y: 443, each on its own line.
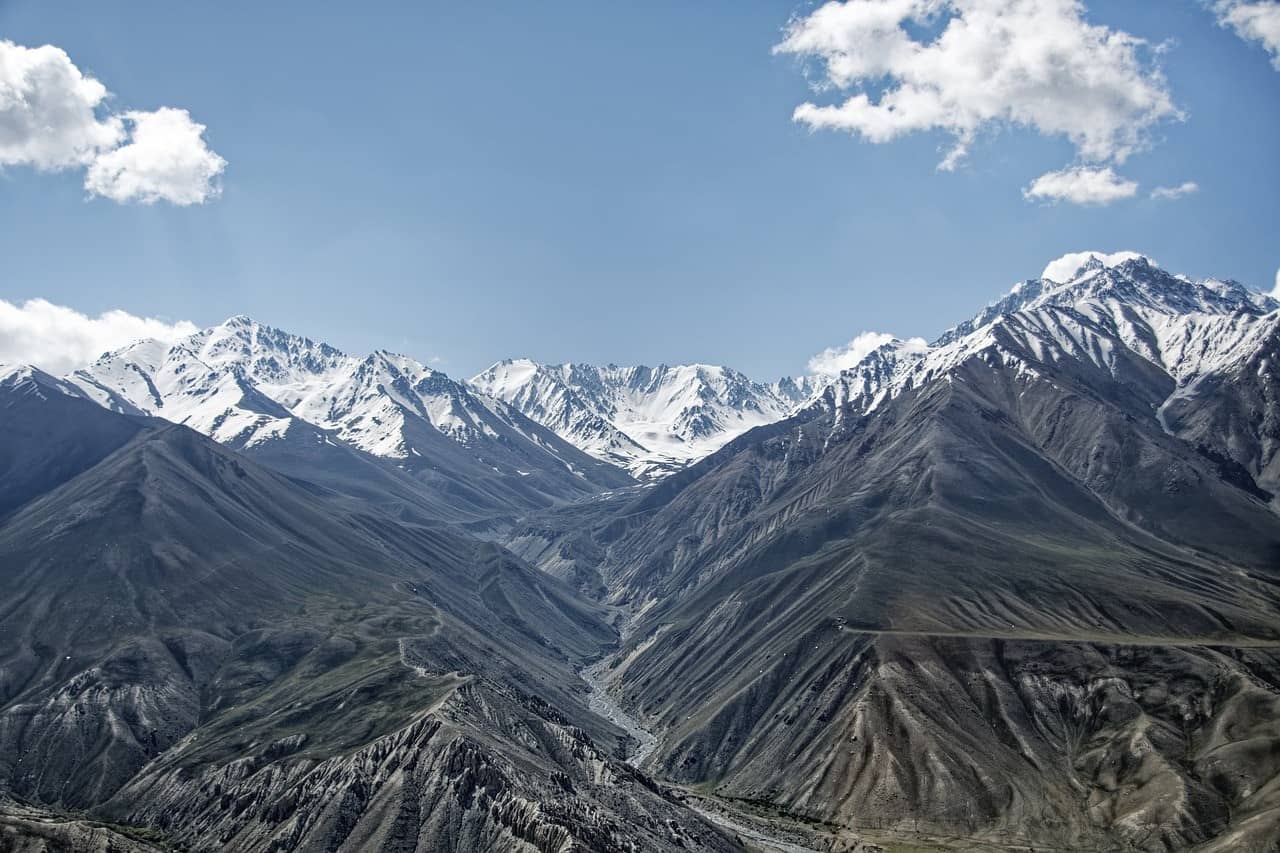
x: 198, y: 645
x: 997, y: 588
x: 27, y: 829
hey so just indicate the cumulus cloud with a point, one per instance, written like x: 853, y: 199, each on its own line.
x: 832, y: 360
x: 993, y: 63
x: 48, y: 110
x: 1275, y: 292
x: 54, y: 117
x: 1081, y: 185
x: 1169, y: 193
x: 1253, y: 20
x: 165, y: 159
x: 58, y: 339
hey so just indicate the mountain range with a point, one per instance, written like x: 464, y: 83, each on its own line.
x: 306, y: 406
x: 1018, y: 588
x: 651, y: 421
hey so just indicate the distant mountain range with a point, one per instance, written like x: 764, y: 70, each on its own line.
x: 294, y: 402
x: 248, y: 385
x: 270, y: 392
x: 1015, y: 589
x: 651, y: 421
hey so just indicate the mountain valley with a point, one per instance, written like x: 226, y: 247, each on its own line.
x: 1018, y: 588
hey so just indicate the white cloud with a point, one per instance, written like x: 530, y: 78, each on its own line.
x: 1081, y: 185
x: 53, y: 117
x: 1253, y: 20
x: 48, y: 110
x: 1169, y: 193
x: 1065, y: 268
x: 1275, y: 292
x: 58, y: 339
x: 166, y: 159
x: 832, y: 360
x: 1029, y: 63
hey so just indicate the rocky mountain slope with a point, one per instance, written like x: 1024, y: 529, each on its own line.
x: 305, y: 407
x: 993, y: 587
x: 243, y: 661
x: 649, y: 420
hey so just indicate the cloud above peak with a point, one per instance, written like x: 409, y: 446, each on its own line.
x: 1066, y: 268
x: 58, y: 339
x: 1081, y: 185
x: 833, y: 360
x: 982, y: 64
x: 54, y: 117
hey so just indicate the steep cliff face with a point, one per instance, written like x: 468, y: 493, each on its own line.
x: 1234, y: 413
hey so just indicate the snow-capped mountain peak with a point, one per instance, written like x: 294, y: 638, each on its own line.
x: 264, y: 353
x: 1124, y: 279
x: 1087, y: 308
x: 33, y: 380
x: 650, y: 419
x: 1070, y: 266
x: 246, y: 383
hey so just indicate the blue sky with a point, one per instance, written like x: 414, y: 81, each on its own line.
x: 596, y: 182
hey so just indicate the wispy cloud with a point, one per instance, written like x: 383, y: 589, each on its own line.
x: 53, y: 117
x: 1170, y: 193
x: 58, y: 339
x: 1253, y: 20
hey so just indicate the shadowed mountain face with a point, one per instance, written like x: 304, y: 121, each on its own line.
x: 49, y: 437
x: 242, y: 661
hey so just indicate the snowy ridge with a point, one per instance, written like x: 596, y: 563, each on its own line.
x: 650, y: 419
x: 1189, y: 329
x: 862, y: 387
x: 246, y: 384
x: 33, y: 380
